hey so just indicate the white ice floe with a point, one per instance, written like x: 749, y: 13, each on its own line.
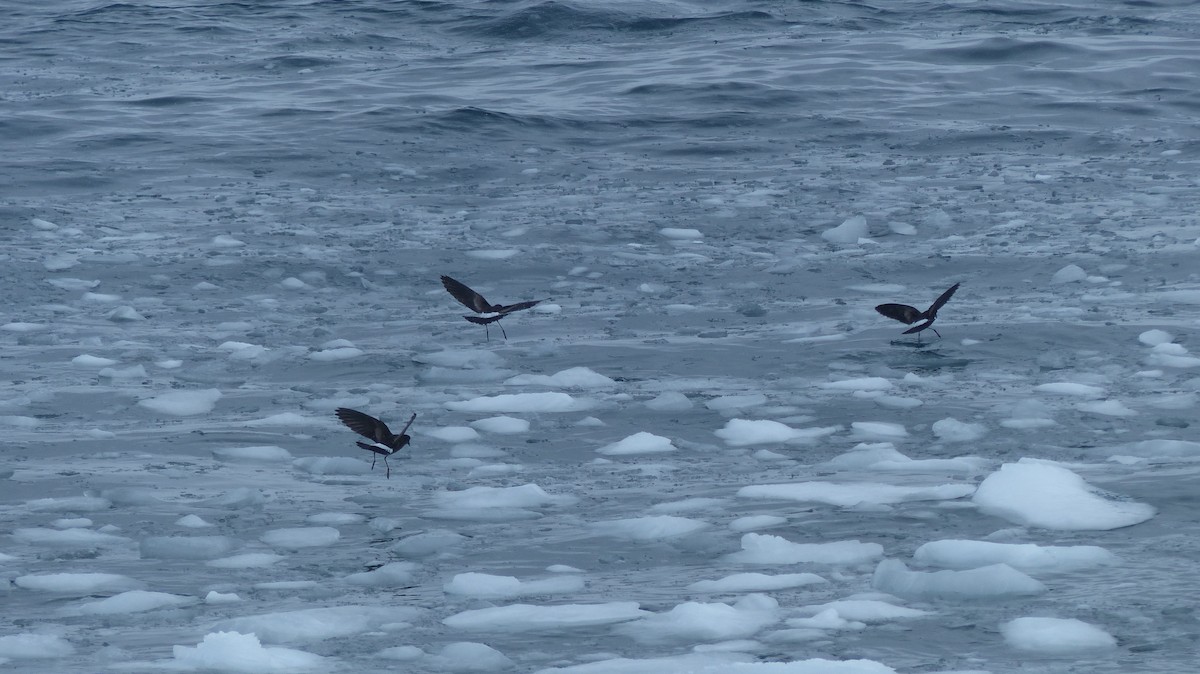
x: 1045, y: 495
x: 134, y: 601
x: 865, y: 610
x: 860, y: 384
x: 338, y: 354
x: 487, y: 586
x: 953, y: 430
x: 736, y: 402
x: 882, y: 456
x: 65, y: 504
x: 1069, y: 274
x: 70, y: 538
x: 294, y: 538
x: 426, y: 543
x: 239, y: 653
x: 502, y: 425
x: 534, y: 618
x: 266, y: 453
x: 746, y: 432
x: 652, y: 528
x: 966, y: 554
x: 316, y: 624
x: 638, y: 443
x: 1162, y: 448
x: 575, y: 377
x: 692, y: 621
x: 332, y: 465
x: 186, y: 547
x: 1066, y: 388
x: 1057, y: 636
x: 769, y: 549
x: 77, y: 583
x: 467, y: 657
x: 1108, y: 408
x: 1155, y: 337
x: 681, y: 233
x: 87, y: 360
x: 877, y: 430
x: 452, y: 433
x: 852, y: 230
x: 469, y: 359
x: 183, y: 403
x: 547, y: 401
x: 523, y: 496
x: 717, y: 662
x: 1171, y: 355
x: 756, y: 582
x: 848, y: 494
x: 33, y: 646
x: 997, y: 581
x: 669, y: 401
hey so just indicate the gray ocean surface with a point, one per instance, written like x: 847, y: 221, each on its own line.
x: 285, y: 174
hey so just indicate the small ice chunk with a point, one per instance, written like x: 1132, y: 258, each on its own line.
x: 331, y: 355
x: 756, y: 582
x: 966, y: 554
x: 860, y: 384
x: 134, y: 601
x: 1108, y: 408
x: 467, y: 657
x: 1069, y: 274
x: 393, y: 574
x: 988, y: 582
x: 1056, y: 636
x: 87, y: 360
x: 652, y: 528
x: 267, y: 453
x: 548, y: 401
x: 953, y: 430
x: 125, y: 314
x: 699, y: 621
x: 877, y: 430
x: 239, y: 653
x: 638, y: 443
x: 847, y: 494
x: 736, y: 402
x: 294, y: 538
x: 575, y: 377
x: 76, y: 583
x: 746, y: 432
x: 502, y: 425
x: 192, y: 522
x: 850, y: 231
x: 1155, y: 337
x: 183, y: 403
x: 33, y: 646
x: 487, y: 586
x: 1049, y: 496
x: 680, y: 233
x: 315, y: 624
x: 769, y: 549
x: 669, y: 401
x: 541, y: 618
x: 1066, y: 388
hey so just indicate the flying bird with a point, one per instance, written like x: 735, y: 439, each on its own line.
x: 910, y: 315
x: 476, y: 302
x: 385, y: 442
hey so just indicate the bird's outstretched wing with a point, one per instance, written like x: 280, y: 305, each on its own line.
x: 942, y: 299
x: 363, y: 424
x: 470, y: 299
x: 918, y: 328
x: 519, y: 306
x: 900, y: 312
x: 410, y: 420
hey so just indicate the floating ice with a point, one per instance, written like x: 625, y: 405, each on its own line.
x: 32, y: 646
x: 756, y: 582
x: 1162, y: 448
x: 638, y: 443
x: 77, y: 583
x: 183, y: 403
x: 125, y: 314
x: 1108, y: 408
x: 469, y: 657
x: 851, y: 230
x: 268, y: 453
x: 1069, y: 274
x: 861, y: 384
x: 669, y: 401
x: 238, y: 653
x: 653, y: 528
x: 681, y: 233
x: 882, y: 456
x: 332, y: 465
x: 1050, y: 496
x: 293, y: 538
x: 953, y: 430
x: 1155, y: 337
x: 487, y: 586
x: 965, y: 554
x: 69, y: 504
x: 1056, y: 636
x: 736, y: 402
x: 331, y: 355
x: 427, y: 543
x: 1067, y: 388
x: 877, y: 430
x: 996, y: 581
x: 575, y: 377
x: 746, y: 432
x: 315, y: 624
x: 865, y: 610
x: 721, y: 663
x: 853, y: 493
x: 86, y: 360
x: 186, y: 547
x: 71, y: 538
x: 697, y: 621
x: 531, y: 618
x: 471, y: 359
x: 453, y: 433
x: 548, y: 401
x: 502, y: 425
x: 768, y: 549
x: 288, y: 420
x: 134, y: 601
x: 524, y: 496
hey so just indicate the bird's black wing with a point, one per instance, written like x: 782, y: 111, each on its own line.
x: 484, y: 320
x: 470, y: 299
x: 410, y: 420
x: 519, y: 306
x: 363, y: 424
x: 918, y: 328
x: 945, y: 297
x: 900, y: 312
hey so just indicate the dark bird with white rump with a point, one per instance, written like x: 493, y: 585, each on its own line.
x: 475, y: 302
x: 385, y: 442
x: 910, y: 315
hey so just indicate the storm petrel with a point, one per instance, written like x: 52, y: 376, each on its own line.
x: 476, y: 302
x: 385, y: 443
x: 910, y: 315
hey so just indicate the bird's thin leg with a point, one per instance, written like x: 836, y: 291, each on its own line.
x: 373, y: 457
x: 502, y: 330
x: 936, y: 332
x: 389, y: 468
x: 486, y: 332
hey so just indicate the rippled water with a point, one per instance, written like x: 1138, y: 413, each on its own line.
x: 524, y: 145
